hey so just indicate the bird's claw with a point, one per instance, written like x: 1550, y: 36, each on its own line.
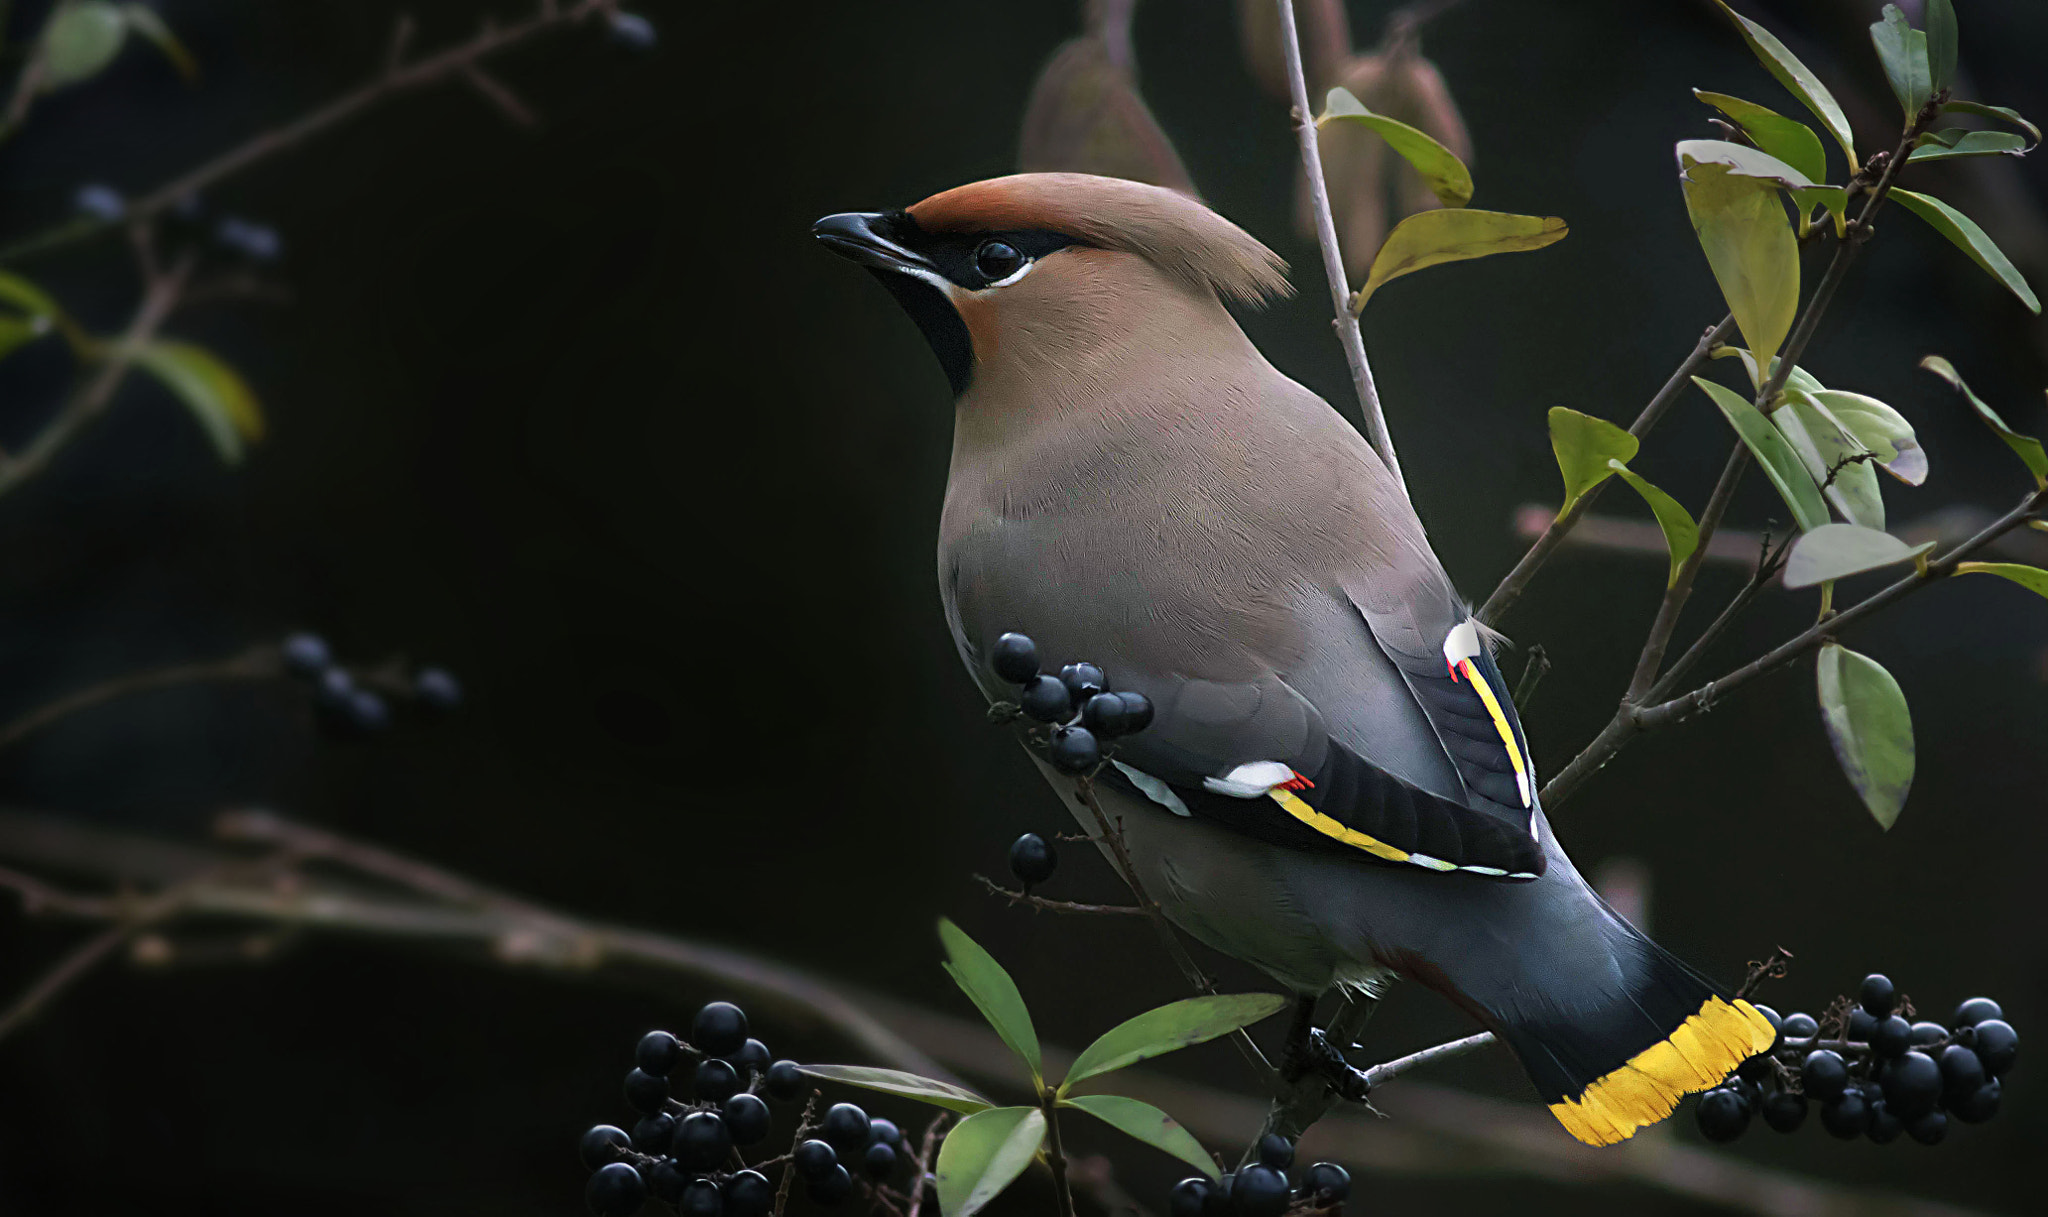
x: 1347, y: 1081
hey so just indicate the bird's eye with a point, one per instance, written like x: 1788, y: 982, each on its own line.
x: 997, y: 260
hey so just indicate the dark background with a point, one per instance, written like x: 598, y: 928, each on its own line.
x: 581, y: 413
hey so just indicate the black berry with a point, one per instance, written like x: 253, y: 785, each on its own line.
x: 1325, y: 1182
x: 1784, y: 1111
x: 658, y: 1053
x: 879, y: 1161
x: 1925, y: 1033
x: 653, y: 1134
x: 1074, y: 750
x: 1846, y: 1117
x: 1771, y: 1016
x: 665, y: 1179
x: 702, y: 1141
x: 1014, y: 658
x: 1892, y: 1036
x: 1083, y: 680
x: 720, y: 1029
x: 747, y: 1119
x: 1976, y: 1010
x: 1861, y: 1024
x: 883, y: 1131
x: 749, y: 1194
x: 1032, y: 859
x: 1723, y: 1115
x: 631, y: 30
x: 1276, y: 1151
x: 1824, y: 1075
x: 1928, y: 1128
x: 844, y: 1128
x: 1877, y: 994
x: 785, y: 1080
x: 1259, y: 1191
x: 1962, y: 1072
x: 437, y: 689
x: 256, y: 242
x: 751, y: 1059
x: 830, y: 1188
x: 1885, y: 1125
x: 1137, y: 712
x: 366, y: 713
x: 1046, y: 699
x: 1105, y: 714
x: 1978, y: 1106
x: 100, y: 201
x: 1998, y: 1044
x: 1799, y: 1027
x: 616, y: 1190
x: 307, y: 655
x: 1912, y: 1084
x: 646, y: 1093
x: 601, y: 1145
x: 813, y: 1158
x: 1190, y: 1197
x: 716, y: 1081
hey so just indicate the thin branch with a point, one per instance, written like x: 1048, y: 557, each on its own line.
x: 1768, y: 564
x: 499, y: 94
x: 256, y: 663
x: 1306, y: 1099
x: 1056, y: 1152
x: 1651, y: 659
x: 1349, y: 335
x: 1055, y: 906
x: 1380, y: 1074
x: 26, y: 86
x: 923, y: 1165
x: 1517, y: 580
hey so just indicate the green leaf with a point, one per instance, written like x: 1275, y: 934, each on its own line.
x: 81, y: 38
x: 1903, y: 51
x: 1148, y: 1124
x: 27, y: 297
x: 1787, y: 139
x: 1881, y: 429
x: 1430, y: 238
x: 145, y: 21
x: 2026, y: 446
x: 2033, y: 578
x: 993, y: 993
x: 1797, y: 78
x: 15, y: 332
x: 984, y: 1154
x: 1949, y: 144
x: 2002, y: 113
x: 1964, y: 234
x: 1445, y: 174
x: 1681, y: 535
x: 1798, y: 378
x: 1870, y: 728
x: 213, y: 391
x: 1750, y: 246
x: 1780, y: 463
x: 1940, y: 17
x: 1177, y: 1025
x: 1838, y: 462
x: 908, y: 1085
x: 1744, y: 161
x: 1836, y: 551
x: 1585, y: 445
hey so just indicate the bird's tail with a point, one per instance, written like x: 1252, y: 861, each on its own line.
x: 1611, y: 1068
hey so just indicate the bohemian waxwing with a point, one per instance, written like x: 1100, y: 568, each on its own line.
x: 1335, y: 788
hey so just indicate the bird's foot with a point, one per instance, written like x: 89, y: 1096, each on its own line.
x: 1346, y: 1080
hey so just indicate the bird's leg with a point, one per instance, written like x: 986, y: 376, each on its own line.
x: 1310, y: 1051
x: 1298, y: 1054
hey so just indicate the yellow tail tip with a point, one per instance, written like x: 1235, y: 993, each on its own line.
x: 1699, y: 1055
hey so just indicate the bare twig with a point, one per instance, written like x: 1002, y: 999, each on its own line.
x: 1651, y: 659
x: 1055, y: 906
x: 1348, y: 334
x: 499, y: 94
x: 1055, y: 1151
x: 923, y: 1166
x: 1380, y: 1074
x: 256, y: 663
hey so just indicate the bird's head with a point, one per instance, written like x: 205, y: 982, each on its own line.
x: 1037, y: 266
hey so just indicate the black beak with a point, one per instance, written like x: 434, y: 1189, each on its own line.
x: 858, y: 236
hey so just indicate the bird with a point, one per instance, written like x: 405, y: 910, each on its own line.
x: 1335, y: 786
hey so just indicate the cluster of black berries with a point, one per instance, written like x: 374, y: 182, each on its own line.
x: 229, y: 234
x: 1077, y: 704
x: 1873, y: 1071
x: 352, y: 704
x: 1262, y: 1188
x: 684, y: 1153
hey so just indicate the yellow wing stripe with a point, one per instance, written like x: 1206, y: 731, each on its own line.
x: 1500, y: 719
x: 1699, y: 1055
x: 1331, y: 828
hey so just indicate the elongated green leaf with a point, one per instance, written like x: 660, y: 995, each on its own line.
x: 1740, y: 160
x: 1798, y: 378
x: 1431, y: 238
x: 1903, y: 52
x: 2033, y: 578
x: 1177, y: 1025
x: 1964, y: 234
x: 1797, y: 78
x: 1445, y: 174
x: 1947, y: 145
x: 27, y: 297
x: 1836, y: 551
x: 1584, y: 445
x: 145, y: 21
x: 80, y: 39
x: 15, y: 332
x: 1940, y: 18
x: 2027, y: 448
x: 1871, y: 729
x: 1681, y: 535
x: 1749, y: 244
x: 1780, y: 463
x: 1787, y: 139
x: 1148, y: 1124
x: 2001, y: 113
x: 984, y: 1154
x: 215, y: 393
x: 908, y: 1085
x: 993, y: 993
x: 1838, y: 462
x: 1881, y: 429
